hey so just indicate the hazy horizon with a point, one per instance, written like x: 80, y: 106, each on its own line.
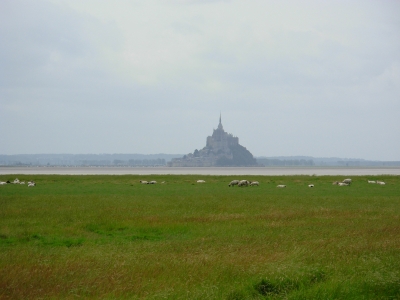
x: 290, y: 78
x: 156, y: 155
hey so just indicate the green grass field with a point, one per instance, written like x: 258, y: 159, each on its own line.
x: 110, y: 237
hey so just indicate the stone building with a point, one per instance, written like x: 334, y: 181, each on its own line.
x: 222, y: 149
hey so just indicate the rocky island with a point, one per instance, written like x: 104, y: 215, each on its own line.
x: 222, y: 150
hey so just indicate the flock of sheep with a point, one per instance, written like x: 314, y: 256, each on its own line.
x: 148, y: 182
x: 154, y: 182
x: 17, y: 181
x: 345, y: 182
x: 377, y: 182
x: 241, y: 183
x: 253, y: 183
x: 348, y: 182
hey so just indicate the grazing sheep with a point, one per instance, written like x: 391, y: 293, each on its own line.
x: 371, y: 181
x: 31, y: 183
x: 201, y: 181
x: 243, y: 183
x: 3, y: 182
x: 343, y: 184
x: 335, y: 183
x: 348, y: 180
x: 310, y: 185
x: 143, y: 182
x: 22, y: 182
x: 380, y: 182
x: 152, y: 182
x: 254, y: 183
x: 16, y: 181
x: 281, y: 186
x: 233, y: 182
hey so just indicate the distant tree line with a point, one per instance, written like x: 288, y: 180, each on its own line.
x: 85, y: 160
x: 323, y: 162
x: 285, y: 162
x: 357, y: 163
x: 241, y: 157
x: 140, y: 162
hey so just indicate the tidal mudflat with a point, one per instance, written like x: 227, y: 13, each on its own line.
x: 268, y: 171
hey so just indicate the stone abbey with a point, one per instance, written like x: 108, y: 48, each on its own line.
x: 222, y: 149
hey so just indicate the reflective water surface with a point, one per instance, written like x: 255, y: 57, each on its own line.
x: 202, y: 171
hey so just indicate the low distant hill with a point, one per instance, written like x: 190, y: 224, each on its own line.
x: 161, y: 159
x: 322, y: 161
x: 87, y: 159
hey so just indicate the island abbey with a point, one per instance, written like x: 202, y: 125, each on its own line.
x: 222, y: 149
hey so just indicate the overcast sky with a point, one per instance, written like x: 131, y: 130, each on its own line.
x: 315, y: 78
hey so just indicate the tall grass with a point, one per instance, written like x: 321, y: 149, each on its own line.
x: 111, y: 237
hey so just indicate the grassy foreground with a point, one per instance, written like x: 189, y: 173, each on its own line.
x: 110, y: 237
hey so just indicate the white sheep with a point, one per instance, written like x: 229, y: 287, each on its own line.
x: 348, y: 180
x: 254, y: 183
x: 343, y: 184
x: 310, y: 185
x: 243, y: 183
x: 201, y: 181
x: 380, y: 182
x: 233, y: 182
x: 143, y: 182
x: 371, y: 181
x: 281, y: 186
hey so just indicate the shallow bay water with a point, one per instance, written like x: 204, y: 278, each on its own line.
x: 272, y: 171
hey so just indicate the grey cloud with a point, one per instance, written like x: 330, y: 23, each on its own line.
x: 65, y: 73
x: 46, y: 45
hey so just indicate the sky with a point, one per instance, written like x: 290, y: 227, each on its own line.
x: 313, y: 78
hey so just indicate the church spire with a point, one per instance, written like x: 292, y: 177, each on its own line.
x: 220, y: 123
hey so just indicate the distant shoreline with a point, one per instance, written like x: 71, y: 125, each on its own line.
x: 227, y: 171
